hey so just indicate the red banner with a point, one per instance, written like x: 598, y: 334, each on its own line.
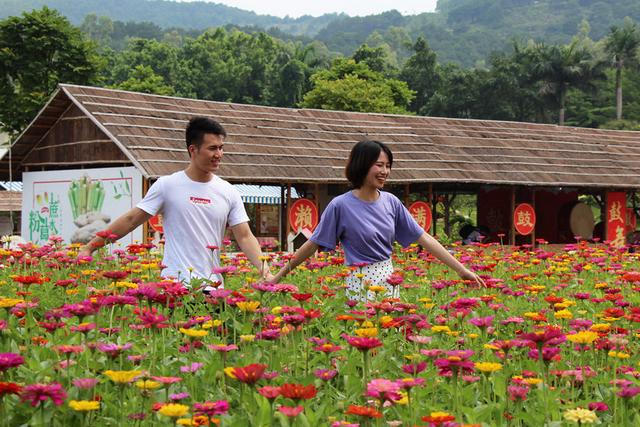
x: 524, y: 219
x: 616, y: 217
x: 632, y: 220
x: 156, y: 223
x: 421, y: 212
x: 303, y: 214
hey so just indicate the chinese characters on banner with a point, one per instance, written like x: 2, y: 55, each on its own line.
x: 421, y: 212
x: 303, y: 214
x: 524, y: 219
x: 616, y: 217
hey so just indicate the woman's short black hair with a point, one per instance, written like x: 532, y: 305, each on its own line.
x: 198, y: 127
x: 363, y: 155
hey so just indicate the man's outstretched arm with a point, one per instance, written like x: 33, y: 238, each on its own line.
x: 122, y: 226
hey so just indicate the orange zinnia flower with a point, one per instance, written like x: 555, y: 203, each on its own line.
x: 363, y: 411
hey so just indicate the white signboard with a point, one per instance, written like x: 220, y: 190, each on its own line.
x: 75, y: 204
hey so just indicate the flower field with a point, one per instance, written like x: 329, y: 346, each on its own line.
x: 552, y: 340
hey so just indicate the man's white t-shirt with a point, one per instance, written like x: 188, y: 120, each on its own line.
x: 194, y: 216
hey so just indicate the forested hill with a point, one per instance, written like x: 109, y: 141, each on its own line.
x: 462, y: 31
x: 189, y: 15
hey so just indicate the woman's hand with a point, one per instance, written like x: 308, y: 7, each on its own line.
x: 467, y: 274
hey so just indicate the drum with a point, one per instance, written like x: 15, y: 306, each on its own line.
x: 581, y: 220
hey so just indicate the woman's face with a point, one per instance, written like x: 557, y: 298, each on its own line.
x: 378, y: 172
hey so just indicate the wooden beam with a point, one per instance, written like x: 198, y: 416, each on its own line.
x: 512, y: 233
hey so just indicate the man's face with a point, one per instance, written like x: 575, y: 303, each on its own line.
x: 207, y: 157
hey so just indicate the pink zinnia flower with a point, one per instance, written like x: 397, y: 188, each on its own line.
x: 39, y: 393
x: 598, y: 406
x: 270, y: 392
x: 383, y: 389
x: 517, y: 392
x: 325, y: 374
x: 10, y: 360
x: 456, y: 363
x: 222, y: 348
x: 628, y: 392
x: 363, y: 343
x: 291, y: 411
x: 211, y: 408
x: 414, y: 368
x: 85, y: 383
x: 481, y: 322
x: 194, y: 367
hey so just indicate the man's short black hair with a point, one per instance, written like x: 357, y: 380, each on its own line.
x: 363, y: 155
x: 198, y: 127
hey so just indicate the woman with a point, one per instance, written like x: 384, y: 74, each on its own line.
x: 367, y: 221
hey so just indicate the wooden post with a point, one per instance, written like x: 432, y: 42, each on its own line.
x: 533, y: 204
x: 145, y: 227
x: 512, y: 234
x: 434, y: 215
x: 407, y: 190
x: 433, y: 210
x: 288, y: 227
x: 283, y: 220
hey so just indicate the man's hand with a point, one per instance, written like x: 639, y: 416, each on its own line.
x: 268, y: 277
x: 85, y: 251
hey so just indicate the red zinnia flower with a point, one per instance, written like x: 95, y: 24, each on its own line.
x: 301, y: 297
x: 298, y: 391
x: 9, y: 388
x: 249, y: 374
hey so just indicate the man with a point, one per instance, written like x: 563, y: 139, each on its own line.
x: 196, y: 206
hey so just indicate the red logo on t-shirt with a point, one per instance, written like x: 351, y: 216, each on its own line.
x: 199, y: 201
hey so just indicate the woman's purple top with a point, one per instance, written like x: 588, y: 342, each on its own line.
x: 366, y: 230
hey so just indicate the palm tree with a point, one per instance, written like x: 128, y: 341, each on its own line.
x: 558, y: 68
x: 623, y: 45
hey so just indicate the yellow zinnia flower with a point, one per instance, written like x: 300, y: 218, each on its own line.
x: 148, y: 384
x: 84, y: 405
x: 367, y: 332
x: 122, y: 376
x: 600, y: 327
x: 249, y: 306
x: 488, y: 367
x: 440, y: 328
x: 563, y: 314
x: 583, y: 337
x: 194, y: 333
x: 580, y: 416
x: 9, y: 302
x: 174, y: 410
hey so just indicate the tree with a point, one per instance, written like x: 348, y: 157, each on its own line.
x: 421, y: 74
x: 558, y: 68
x: 622, y: 45
x: 351, y: 86
x: 376, y: 58
x: 143, y: 79
x: 38, y: 50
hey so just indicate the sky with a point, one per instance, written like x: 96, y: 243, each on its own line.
x: 296, y: 8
